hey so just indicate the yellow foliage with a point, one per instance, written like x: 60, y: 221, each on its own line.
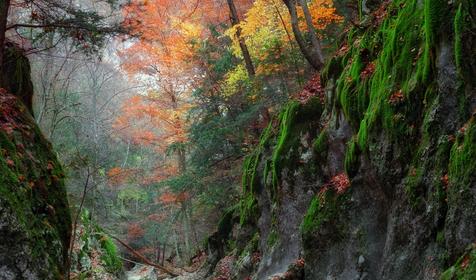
x: 267, y: 30
x: 235, y: 80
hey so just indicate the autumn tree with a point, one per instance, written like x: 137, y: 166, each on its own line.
x: 235, y: 21
x: 312, y: 49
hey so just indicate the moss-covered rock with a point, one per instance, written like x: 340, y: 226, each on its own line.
x: 35, y: 222
x: 399, y: 121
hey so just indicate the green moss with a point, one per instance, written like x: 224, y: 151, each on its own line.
x: 35, y: 193
x: 351, y: 162
x: 249, y: 180
x: 350, y: 88
x: 323, y: 208
x: 282, y: 143
x: 440, y: 238
x: 434, y: 11
x: 110, y: 255
x: 294, y: 120
x: 95, y: 242
x: 273, y: 238
x: 464, y: 26
x: 286, y: 120
x: 464, y: 268
x: 312, y: 219
x: 320, y: 144
x: 333, y: 67
x: 402, y: 54
x: 462, y: 166
x: 251, y: 246
x: 458, y: 30
x: 225, y: 225
x: 248, y: 208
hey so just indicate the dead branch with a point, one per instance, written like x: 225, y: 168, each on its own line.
x: 143, y: 258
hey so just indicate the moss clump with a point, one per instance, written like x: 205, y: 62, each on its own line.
x: 92, y: 242
x: 458, y: 45
x: 249, y: 180
x: 282, y: 142
x: 286, y: 120
x: 293, y: 121
x: 351, y: 88
x: 273, y: 238
x: 394, y: 72
x: 464, y: 39
x: 388, y: 95
x: 324, y: 208
x: 413, y: 185
x: 248, y: 208
x: 351, y: 162
x: 464, y: 268
x: 320, y: 145
x: 332, y: 67
x: 462, y: 166
x: 110, y: 255
x: 434, y: 12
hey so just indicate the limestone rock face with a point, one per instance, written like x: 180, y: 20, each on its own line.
x: 35, y: 222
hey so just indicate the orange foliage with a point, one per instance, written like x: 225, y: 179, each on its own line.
x: 340, y: 183
x: 135, y: 231
x: 168, y: 31
x: 161, y: 173
x: 396, y: 98
x: 172, y: 198
x: 118, y: 176
x: 151, y: 121
x: 157, y: 217
x: 323, y: 13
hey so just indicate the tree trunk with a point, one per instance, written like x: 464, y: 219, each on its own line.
x: 181, y: 160
x: 186, y: 231
x: 309, y: 54
x: 163, y: 253
x: 235, y: 20
x: 316, y: 44
x: 158, y: 253
x: 4, y: 7
x: 177, y: 250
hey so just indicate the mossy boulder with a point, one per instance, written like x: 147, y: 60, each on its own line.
x: 35, y: 222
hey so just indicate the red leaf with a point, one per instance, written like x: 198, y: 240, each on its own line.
x: 10, y: 163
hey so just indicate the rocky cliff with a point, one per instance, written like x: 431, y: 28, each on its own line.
x: 35, y: 223
x: 375, y: 177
